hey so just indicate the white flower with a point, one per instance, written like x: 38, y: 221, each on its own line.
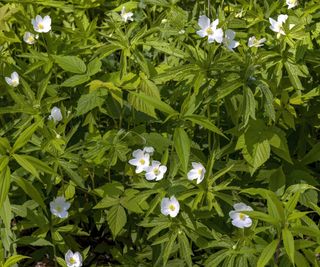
x: 182, y: 32
x: 291, y: 3
x: 210, y: 30
x: 73, y: 259
x: 229, y: 41
x: 156, y: 171
x: 277, y: 25
x: 41, y: 24
x: 30, y: 38
x: 148, y: 149
x: 141, y: 160
x: 126, y: 15
x: 13, y: 80
x: 240, y: 219
x: 55, y: 114
x: 170, y: 206
x: 253, y: 41
x: 197, y: 172
x: 59, y: 207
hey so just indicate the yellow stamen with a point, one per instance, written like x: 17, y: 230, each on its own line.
x: 142, y: 161
x: 209, y: 31
x: 172, y: 207
x: 242, y: 216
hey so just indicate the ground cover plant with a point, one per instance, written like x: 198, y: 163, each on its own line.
x: 159, y: 133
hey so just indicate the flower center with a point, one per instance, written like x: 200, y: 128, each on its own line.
x: 30, y: 39
x: 242, y: 216
x: 40, y: 26
x: 59, y: 208
x: 209, y: 31
x: 142, y: 161
x: 200, y: 171
x: 172, y: 207
x: 72, y: 260
x: 156, y: 171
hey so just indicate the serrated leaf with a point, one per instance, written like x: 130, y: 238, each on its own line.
x: 117, y: 219
x: 204, y: 122
x: 288, y: 242
x: 90, y: 101
x: 71, y: 63
x: 25, y: 136
x: 267, y: 253
x: 182, y: 146
x: 30, y: 190
x: 4, y: 184
x: 75, y: 80
x: 26, y: 164
x: 13, y: 260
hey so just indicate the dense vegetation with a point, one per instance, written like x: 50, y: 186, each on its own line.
x: 159, y: 133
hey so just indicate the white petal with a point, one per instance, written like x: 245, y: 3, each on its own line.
x: 204, y: 22
x: 214, y: 24
x: 282, y: 18
x: 150, y: 176
x: 163, y: 169
x: 134, y: 162
x: 193, y: 174
x: 218, y: 35
x: 202, y: 33
x: 138, y: 153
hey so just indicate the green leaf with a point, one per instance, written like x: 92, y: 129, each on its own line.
x: 14, y: 259
x: 30, y: 190
x: 34, y: 241
x: 227, y: 88
x: 182, y: 147
x: 94, y: 67
x: 313, y: 155
x: 288, y: 242
x: 73, y: 174
x: 75, y: 80
x: 156, y: 103
x: 25, y: 136
x: 204, y: 122
x: 267, y: 253
x: 184, y: 248
x: 117, y: 219
x: 168, y: 248
x: 107, y: 202
x: 26, y: 164
x: 4, y: 184
x: 71, y: 64
x: 90, y: 101
x: 294, y: 73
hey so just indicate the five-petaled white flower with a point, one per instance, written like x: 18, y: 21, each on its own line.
x: 240, y: 219
x: 126, y: 16
x: 197, y: 172
x: 59, y: 207
x: 55, y: 114
x: 41, y: 24
x: 13, y: 80
x: 277, y: 25
x: 229, y: 41
x: 291, y: 3
x: 30, y: 38
x: 141, y: 160
x: 156, y: 171
x: 73, y: 259
x: 210, y: 29
x: 253, y: 41
x: 170, y: 206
